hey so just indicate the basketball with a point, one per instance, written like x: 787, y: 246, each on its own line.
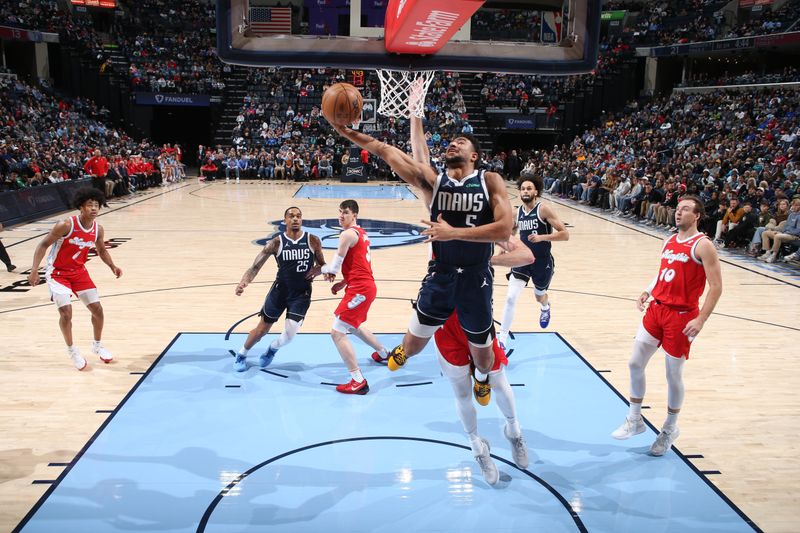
x: 341, y: 104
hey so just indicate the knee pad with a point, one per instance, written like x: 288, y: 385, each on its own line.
x: 89, y: 296
x: 61, y: 299
x: 342, y: 327
x: 291, y: 327
x: 420, y: 329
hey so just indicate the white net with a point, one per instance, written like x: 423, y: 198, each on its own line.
x: 403, y: 93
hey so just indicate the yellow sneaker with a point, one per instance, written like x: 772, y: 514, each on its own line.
x: 482, y: 391
x: 397, y: 358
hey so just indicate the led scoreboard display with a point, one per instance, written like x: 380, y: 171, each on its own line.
x: 109, y: 4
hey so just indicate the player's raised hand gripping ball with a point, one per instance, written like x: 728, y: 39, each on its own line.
x: 341, y: 104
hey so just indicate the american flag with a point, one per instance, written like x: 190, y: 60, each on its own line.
x: 266, y: 20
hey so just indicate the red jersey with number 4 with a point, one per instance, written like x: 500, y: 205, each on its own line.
x: 681, y: 277
x: 70, y: 252
x: 357, y: 266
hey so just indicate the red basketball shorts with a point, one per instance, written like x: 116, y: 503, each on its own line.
x: 666, y: 324
x: 355, y: 304
x: 451, y: 341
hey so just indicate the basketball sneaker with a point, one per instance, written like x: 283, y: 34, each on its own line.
x: 629, y: 428
x: 482, y: 391
x: 544, y: 318
x: 79, y: 362
x: 265, y: 359
x: 488, y: 468
x: 397, y: 358
x: 380, y: 360
x: 100, y: 351
x: 519, y: 449
x: 240, y: 365
x: 664, y: 441
x: 353, y: 387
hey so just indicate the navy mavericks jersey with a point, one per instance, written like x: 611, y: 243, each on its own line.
x: 295, y: 259
x: 462, y: 204
x: 531, y: 224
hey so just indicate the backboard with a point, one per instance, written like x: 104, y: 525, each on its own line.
x: 554, y: 37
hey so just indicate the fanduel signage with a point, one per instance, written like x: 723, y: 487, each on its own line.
x: 524, y: 123
x: 197, y: 100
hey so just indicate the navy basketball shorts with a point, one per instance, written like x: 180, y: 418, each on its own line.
x: 540, y: 273
x: 281, y: 298
x: 466, y: 290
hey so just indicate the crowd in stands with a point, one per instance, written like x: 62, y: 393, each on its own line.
x: 177, y: 50
x: 45, y: 139
x: 786, y: 75
x: 530, y: 91
x: 170, y: 46
x: 738, y: 152
x: 506, y: 25
x: 280, y: 122
x: 677, y: 21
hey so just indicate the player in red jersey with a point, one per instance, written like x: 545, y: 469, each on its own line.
x: 457, y: 365
x: 673, y: 319
x: 353, y: 258
x: 66, y: 274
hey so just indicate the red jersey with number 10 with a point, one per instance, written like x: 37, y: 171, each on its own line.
x: 71, y: 251
x: 357, y: 266
x: 681, y: 277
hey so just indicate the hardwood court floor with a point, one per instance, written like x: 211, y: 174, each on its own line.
x: 188, y: 245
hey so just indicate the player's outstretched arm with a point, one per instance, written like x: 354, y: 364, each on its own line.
x: 707, y: 255
x: 513, y: 253
x: 419, y: 146
x: 347, y: 239
x: 411, y: 171
x: 61, y: 229
x: 103, y: 254
x: 250, y: 274
x: 560, y: 234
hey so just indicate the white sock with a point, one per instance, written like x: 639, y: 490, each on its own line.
x: 476, y: 444
x: 671, y: 421
x: 383, y: 352
x: 72, y: 349
x: 96, y: 344
x: 243, y: 351
x: 356, y: 375
x: 480, y: 376
x: 545, y: 307
x: 635, y: 410
x: 502, y: 336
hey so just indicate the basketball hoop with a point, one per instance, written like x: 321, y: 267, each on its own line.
x: 403, y: 92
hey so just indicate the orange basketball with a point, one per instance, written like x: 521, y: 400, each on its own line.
x: 341, y: 104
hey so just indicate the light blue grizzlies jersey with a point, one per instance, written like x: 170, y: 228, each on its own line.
x: 462, y: 204
x: 295, y: 259
x: 531, y: 224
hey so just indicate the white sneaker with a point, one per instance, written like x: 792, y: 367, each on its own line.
x: 790, y: 257
x: 488, y: 468
x: 771, y: 258
x: 765, y: 256
x: 519, y: 449
x: 79, y: 362
x: 102, y: 353
x: 664, y: 441
x: 629, y: 428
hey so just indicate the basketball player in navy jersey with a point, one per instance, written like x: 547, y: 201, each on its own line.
x: 299, y: 257
x: 469, y: 211
x: 538, y: 226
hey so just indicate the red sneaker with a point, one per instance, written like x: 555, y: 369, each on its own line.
x: 353, y: 387
x: 380, y: 360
